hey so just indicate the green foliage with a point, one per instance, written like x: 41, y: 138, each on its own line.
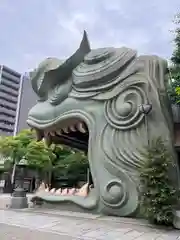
x: 25, y: 137
x: 175, y: 68
x: 173, y: 90
x: 11, y: 148
x: 73, y: 164
x: 14, y: 148
x: 39, y: 156
x: 158, y: 193
x: 58, y: 159
x: 176, y: 53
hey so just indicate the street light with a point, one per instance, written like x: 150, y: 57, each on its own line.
x: 19, y: 199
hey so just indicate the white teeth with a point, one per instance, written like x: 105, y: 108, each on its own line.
x: 64, y: 192
x: 65, y: 130
x: 81, y: 127
x: 83, y: 191
x: 59, y: 132
x: 48, y: 140
x: 58, y: 191
x: 38, y: 135
x: 72, y: 128
x: 53, y: 190
x: 46, y: 133
x: 47, y: 190
x: 52, y: 133
x: 71, y: 191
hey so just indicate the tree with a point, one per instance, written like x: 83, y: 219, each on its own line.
x: 40, y: 157
x: 13, y: 148
x: 58, y: 159
x: 174, y: 89
x: 10, y: 149
x: 70, y: 165
x: 159, y: 196
x: 75, y: 163
x: 176, y: 53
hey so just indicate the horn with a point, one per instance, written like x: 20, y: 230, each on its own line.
x: 85, y: 46
x: 79, y: 55
x: 53, y: 71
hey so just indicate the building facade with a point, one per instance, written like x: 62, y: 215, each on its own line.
x: 16, y: 98
x: 10, y: 88
x: 27, y: 100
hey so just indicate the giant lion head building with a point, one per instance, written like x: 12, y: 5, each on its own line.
x: 109, y: 102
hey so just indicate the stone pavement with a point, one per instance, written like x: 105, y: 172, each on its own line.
x: 15, y: 233
x: 51, y: 224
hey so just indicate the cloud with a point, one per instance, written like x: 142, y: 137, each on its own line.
x: 33, y: 30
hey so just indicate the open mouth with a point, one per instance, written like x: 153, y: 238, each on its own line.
x: 82, y: 192
x: 73, y: 133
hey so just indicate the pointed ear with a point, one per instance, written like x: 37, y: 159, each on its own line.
x: 85, y: 45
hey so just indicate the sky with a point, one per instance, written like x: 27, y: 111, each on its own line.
x: 32, y: 30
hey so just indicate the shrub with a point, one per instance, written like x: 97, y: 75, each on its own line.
x: 173, y: 92
x: 158, y: 195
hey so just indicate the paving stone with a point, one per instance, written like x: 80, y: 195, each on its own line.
x: 29, y: 220
x: 15, y: 233
x: 82, y: 228
x: 167, y: 237
x: 68, y: 213
x: 148, y: 236
x: 133, y: 234
x: 106, y: 234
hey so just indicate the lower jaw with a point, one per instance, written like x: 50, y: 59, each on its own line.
x: 88, y: 202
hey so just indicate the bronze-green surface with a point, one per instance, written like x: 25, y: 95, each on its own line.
x: 122, y: 100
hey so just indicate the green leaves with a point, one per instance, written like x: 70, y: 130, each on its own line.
x: 57, y: 159
x: 158, y: 195
x: 70, y: 162
x: 176, y: 53
x: 173, y: 90
x: 12, y: 148
x: 39, y: 156
x: 177, y: 90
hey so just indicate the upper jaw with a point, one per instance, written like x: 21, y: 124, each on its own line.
x: 62, y: 124
x: 66, y: 123
x: 47, y: 116
x: 61, y: 129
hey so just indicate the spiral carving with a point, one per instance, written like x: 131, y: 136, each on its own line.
x: 100, y: 68
x: 123, y: 112
x: 115, y: 194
